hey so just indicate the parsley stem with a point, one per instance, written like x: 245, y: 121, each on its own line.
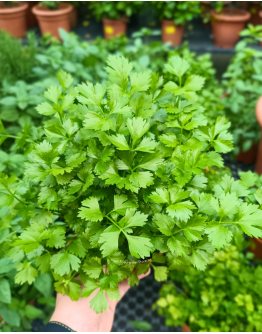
x: 181, y: 135
x: 1, y: 241
x: 113, y: 222
x: 103, y: 111
x: 16, y: 197
x: 2, y: 135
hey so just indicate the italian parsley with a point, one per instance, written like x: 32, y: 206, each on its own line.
x: 118, y: 177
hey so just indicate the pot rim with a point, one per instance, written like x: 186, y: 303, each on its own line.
x: 242, y: 15
x: 122, y: 20
x: 172, y: 22
x: 67, y: 8
x: 22, y: 6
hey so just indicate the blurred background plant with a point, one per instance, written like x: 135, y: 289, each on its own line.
x: 242, y: 88
x: 179, y: 12
x: 114, y: 9
x: 224, y: 298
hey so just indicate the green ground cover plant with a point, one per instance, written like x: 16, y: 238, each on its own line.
x: 242, y: 87
x: 116, y: 177
x: 19, y: 306
x: 224, y: 298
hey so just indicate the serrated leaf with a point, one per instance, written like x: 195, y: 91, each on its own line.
x: 26, y: 273
x: 91, y: 210
x: 139, y: 246
x: 45, y: 109
x: 53, y: 93
x: 160, y: 273
x: 63, y: 263
x: 147, y: 145
x: 194, y: 83
x: 178, y: 66
x: 181, y: 211
x: 99, y: 302
x: 120, y: 142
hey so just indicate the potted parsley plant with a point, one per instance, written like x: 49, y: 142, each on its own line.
x: 114, y: 15
x: 173, y: 16
x: 116, y: 178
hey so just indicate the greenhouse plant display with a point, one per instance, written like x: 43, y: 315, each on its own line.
x: 242, y: 88
x: 52, y: 15
x: 116, y: 178
x: 227, y: 23
x: 114, y: 15
x: 13, y: 17
x: 173, y: 16
x: 225, y: 298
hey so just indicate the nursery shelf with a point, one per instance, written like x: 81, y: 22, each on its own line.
x: 199, y: 38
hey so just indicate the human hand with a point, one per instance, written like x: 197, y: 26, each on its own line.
x: 81, y: 318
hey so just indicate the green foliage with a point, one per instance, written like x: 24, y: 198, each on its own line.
x: 179, y: 12
x: 17, y: 304
x: 114, y: 10
x: 225, y: 298
x: 51, y: 5
x: 242, y: 85
x: 82, y: 59
x: 16, y: 59
x: 141, y: 325
x: 121, y: 165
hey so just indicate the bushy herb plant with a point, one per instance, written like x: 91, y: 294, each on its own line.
x: 224, y: 298
x: 179, y: 12
x: 16, y: 60
x: 118, y: 177
x: 242, y: 85
x: 114, y: 10
x: 82, y: 59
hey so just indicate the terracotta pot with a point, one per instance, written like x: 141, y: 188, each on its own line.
x: 227, y: 25
x: 185, y: 328
x: 13, y: 20
x: 258, y: 167
x: 73, y: 17
x: 30, y: 16
x: 172, y: 33
x: 113, y: 28
x: 206, y: 8
x: 248, y: 157
x: 51, y: 20
x: 256, y: 248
